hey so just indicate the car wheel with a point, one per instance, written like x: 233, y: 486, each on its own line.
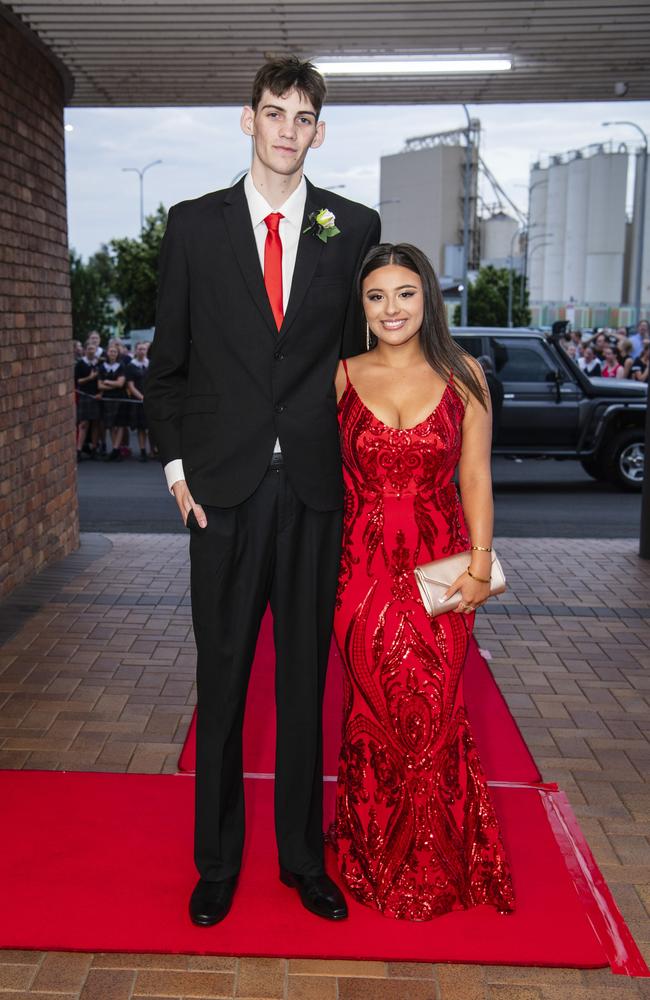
x: 594, y: 467
x: 626, y: 460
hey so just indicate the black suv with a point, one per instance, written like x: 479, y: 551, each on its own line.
x: 551, y: 409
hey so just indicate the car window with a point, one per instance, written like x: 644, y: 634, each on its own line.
x: 521, y: 361
x: 473, y: 345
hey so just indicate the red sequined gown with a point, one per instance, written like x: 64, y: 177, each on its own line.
x: 415, y: 831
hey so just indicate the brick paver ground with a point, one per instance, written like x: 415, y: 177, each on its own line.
x: 96, y: 673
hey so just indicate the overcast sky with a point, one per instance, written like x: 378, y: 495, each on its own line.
x: 203, y: 148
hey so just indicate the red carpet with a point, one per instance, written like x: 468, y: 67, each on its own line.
x: 103, y: 862
x: 504, y: 753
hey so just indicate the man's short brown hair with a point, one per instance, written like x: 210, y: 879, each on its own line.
x: 286, y: 73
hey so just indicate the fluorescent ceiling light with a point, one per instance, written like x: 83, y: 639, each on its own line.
x: 417, y: 65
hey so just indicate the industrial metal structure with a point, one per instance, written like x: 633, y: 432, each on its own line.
x: 422, y: 198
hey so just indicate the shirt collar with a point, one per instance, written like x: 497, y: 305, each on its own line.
x: 293, y: 209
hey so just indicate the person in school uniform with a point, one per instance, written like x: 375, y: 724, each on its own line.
x: 95, y: 339
x: 86, y: 375
x: 125, y: 358
x: 136, y: 373
x: 112, y: 381
x: 124, y: 355
x: 589, y: 362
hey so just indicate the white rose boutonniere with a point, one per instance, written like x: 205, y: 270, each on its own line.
x: 322, y: 224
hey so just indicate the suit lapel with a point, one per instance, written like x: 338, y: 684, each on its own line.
x: 307, y: 258
x: 242, y: 238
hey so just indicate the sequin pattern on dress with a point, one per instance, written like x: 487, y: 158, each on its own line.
x: 415, y: 831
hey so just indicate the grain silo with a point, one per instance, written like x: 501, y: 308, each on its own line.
x: 555, y: 231
x: 538, y: 188
x: 575, y: 237
x: 422, y: 196
x: 606, y: 227
x: 577, y: 215
x: 499, y: 240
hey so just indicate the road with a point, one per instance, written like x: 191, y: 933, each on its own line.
x: 533, y: 498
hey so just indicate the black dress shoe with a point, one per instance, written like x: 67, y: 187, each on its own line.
x: 211, y: 901
x: 318, y: 894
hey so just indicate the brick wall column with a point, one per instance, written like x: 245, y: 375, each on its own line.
x: 38, y: 496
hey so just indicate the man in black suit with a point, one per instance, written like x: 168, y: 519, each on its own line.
x: 257, y: 302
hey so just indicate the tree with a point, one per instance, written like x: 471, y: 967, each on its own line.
x: 90, y: 289
x: 135, y: 263
x: 487, y: 299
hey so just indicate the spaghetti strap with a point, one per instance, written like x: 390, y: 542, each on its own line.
x: 347, y: 374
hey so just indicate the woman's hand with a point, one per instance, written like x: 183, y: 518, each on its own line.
x: 473, y: 593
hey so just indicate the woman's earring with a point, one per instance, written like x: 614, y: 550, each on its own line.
x: 367, y: 337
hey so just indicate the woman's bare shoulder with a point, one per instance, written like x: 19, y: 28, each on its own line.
x: 340, y: 379
x: 360, y: 363
x: 469, y: 399
x: 475, y: 368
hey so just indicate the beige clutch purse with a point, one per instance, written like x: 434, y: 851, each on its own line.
x: 434, y: 578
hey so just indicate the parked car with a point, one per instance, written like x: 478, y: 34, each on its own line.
x: 552, y: 410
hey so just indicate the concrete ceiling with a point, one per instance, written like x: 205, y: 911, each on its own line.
x: 202, y: 52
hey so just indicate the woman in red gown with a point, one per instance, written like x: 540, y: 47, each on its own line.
x: 415, y: 830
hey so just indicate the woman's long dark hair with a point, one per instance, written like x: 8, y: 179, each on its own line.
x: 440, y: 350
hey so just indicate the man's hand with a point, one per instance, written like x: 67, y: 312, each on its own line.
x: 186, y: 503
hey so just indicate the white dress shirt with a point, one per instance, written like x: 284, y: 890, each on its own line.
x: 293, y: 212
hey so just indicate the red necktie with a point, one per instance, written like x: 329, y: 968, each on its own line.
x: 273, y: 266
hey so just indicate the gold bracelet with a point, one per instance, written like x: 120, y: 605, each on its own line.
x: 479, y: 579
x: 479, y: 548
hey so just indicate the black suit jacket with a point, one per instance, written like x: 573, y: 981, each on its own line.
x: 223, y: 382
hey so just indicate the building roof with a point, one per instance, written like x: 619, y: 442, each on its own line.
x: 205, y: 52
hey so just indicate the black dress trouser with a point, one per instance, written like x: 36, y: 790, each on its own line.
x: 269, y: 548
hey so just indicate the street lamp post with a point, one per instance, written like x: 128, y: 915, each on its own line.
x: 524, y: 277
x: 540, y: 246
x: 387, y: 201
x: 522, y: 231
x: 141, y: 173
x: 638, y: 279
x: 644, y: 534
x: 518, y: 232
x: 529, y: 240
x: 466, y: 193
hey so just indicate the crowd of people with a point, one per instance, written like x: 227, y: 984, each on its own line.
x: 109, y: 385
x: 609, y: 353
